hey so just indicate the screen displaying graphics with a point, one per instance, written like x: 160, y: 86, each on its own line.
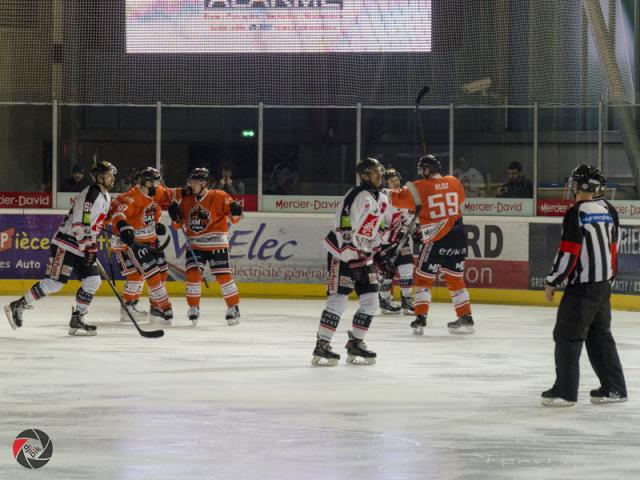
x: 278, y: 26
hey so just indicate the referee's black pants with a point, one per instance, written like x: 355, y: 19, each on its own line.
x: 584, y: 315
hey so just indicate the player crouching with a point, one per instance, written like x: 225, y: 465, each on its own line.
x: 350, y: 265
x: 74, y: 248
x: 203, y: 215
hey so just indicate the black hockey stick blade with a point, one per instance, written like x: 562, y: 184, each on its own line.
x: 157, y: 249
x: 422, y: 93
x: 144, y: 333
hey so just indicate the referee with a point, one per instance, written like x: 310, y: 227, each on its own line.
x: 586, y: 259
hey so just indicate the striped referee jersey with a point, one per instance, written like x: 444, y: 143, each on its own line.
x: 589, y: 245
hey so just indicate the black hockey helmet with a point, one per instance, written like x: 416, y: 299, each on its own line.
x: 149, y: 174
x: 391, y: 172
x: 432, y: 162
x: 367, y: 165
x: 586, y: 178
x: 102, y: 167
x: 199, y: 173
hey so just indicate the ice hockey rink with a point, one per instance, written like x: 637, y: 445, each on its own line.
x: 243, y: 402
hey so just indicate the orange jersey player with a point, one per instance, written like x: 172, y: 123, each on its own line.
x: 135, y: 219
x: 444, y: 241
x: 204, y: 216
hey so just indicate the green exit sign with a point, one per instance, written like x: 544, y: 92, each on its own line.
x: 248, y: 133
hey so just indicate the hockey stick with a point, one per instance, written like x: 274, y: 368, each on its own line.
x: 157, y: 249
x: 416, y: 197
x: 144, y: 333
x: 423, y: 136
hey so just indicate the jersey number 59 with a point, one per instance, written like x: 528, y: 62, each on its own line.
x: 443, y: 204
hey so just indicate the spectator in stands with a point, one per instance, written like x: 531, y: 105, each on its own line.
x: 470, y: 177
x: 126, y: 181
x: 227, y: 183
x: 517, y: 186
x: 77, y: 182
x: 284, y: 176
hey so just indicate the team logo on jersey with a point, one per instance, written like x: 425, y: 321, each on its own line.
x: 32, y: 448
x: 368, y: 226
x: 199, y: 219
x: 149, y: 216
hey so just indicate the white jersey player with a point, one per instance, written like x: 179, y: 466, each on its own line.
x: 350, y: 262
x: 397, y: 222
x: 74, y: 248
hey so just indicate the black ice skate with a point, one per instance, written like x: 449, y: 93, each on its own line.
x: 233, y: 315
x: 194, y: 314
x: 78, y: 328
x: 419, y: 324
x: 600, y: 396
x: 323, y: 355
x: 551, y: 399
x: 14, y: 312
x: 136, y: 312
x: 358, y: 353
x: 158, y: 314
x: 463, y: 325
x: 387, y: 307
x: 407, y: 306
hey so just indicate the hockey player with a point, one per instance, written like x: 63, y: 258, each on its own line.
x: 136, y: 226
x: 204, y: 214
x: 586, y: 260
x: 74, y: 248
x: 397, y: 221
x: 350, y: 265
x: 444, y: 241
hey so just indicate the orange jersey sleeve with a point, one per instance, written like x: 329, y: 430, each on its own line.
x: 164, y: 196
x: 139, y: 211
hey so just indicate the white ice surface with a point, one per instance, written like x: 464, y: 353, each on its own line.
x: 244, y: 402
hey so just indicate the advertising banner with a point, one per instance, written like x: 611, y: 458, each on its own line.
x: 25, y: 200
x: 300, y: 204
x: 508, y: 207
x: 550, y: 207
x: 557, y: 208
x: 277, y: 26
x: 544, y: 240
x: 272, y: 250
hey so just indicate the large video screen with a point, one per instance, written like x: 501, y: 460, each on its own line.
x: 278, y: 26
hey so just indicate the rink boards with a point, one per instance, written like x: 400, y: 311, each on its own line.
x: 280, y: 255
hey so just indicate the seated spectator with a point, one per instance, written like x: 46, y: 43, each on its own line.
x: 470, y: 177
x: 77, y: 182
x: 227, y: 183
x: 517, y: 186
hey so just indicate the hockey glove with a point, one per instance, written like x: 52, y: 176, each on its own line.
x: 236, y: 209
x: 160, y: 229
x: 175, y: 212
x: 384, y: 262
x: 359, y: 271
x: 90, y: 255
x: 127, y: 235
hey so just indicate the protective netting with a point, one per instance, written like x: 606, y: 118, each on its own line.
x: 314, y: 52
